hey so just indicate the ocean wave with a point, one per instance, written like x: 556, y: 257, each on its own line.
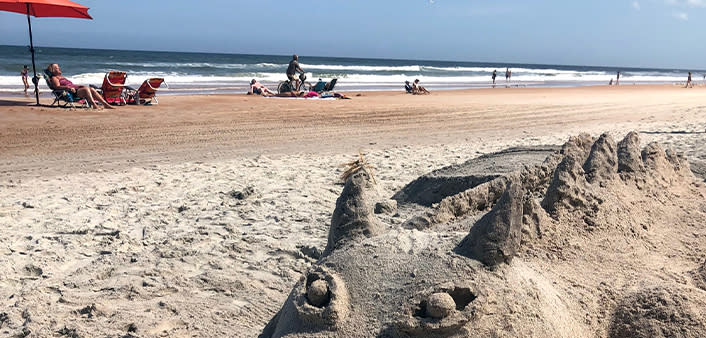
x: 364, y: 68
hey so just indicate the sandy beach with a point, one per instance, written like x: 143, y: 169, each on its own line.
x: 197, y: 216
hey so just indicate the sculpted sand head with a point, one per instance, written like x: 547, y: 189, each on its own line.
x: 496, y: 277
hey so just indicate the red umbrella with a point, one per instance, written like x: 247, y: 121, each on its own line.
x: 43, y: 8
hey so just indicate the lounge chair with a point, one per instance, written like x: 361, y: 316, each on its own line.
x: 62, y: 95
x: 319, y: 87
x: 408, y: 88
x: 330, y: 85
x: 147, y: 93
x: 113, y: 87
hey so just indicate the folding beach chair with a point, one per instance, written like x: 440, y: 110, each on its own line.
x: 330, y: 85
x: 319, y: 86
x: 147, y: 93
x: 62, y: 95
x: 113, y: 87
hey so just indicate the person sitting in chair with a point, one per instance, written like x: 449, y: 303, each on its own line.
x: 258, y: 88
x: 408, y: 87
x: 293, y: 69
x: 319, y: 86
x: 417, y: 89
x: 58, y: 81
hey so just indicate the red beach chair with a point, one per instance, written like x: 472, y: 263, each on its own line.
x: 147, y: 93
x: 112, y: 88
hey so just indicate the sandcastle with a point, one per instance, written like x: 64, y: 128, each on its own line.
x: 598, y: 240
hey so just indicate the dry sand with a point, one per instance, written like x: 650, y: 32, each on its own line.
x: 194, y: 217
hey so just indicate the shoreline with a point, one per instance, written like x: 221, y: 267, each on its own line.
x: 386, y: 88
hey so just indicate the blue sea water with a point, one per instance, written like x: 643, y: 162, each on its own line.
x: 189, y: 73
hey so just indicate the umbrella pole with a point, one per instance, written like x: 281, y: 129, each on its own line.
x: 31, y: 50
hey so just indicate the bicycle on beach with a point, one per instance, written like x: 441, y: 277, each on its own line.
x: 291, y: 85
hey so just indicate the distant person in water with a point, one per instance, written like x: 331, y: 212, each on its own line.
x: 688, y: 81
x: 507, y: 74
x: 617, y: 79
x: 495, y: 74
x: 25, y: 76
x: 258, y: 88
x: 58, y: 81
x: 611, y: 82
x: 419, y: 89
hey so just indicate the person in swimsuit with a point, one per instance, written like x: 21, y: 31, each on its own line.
x: 25, y: 76
x: 58, y: 81
x: 688, y: 81
x: 495, y: 74
x: 258, y: 88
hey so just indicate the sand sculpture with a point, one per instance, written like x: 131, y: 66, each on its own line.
x: 598, y: 240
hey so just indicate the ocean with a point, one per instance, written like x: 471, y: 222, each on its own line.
x: 206, y: 73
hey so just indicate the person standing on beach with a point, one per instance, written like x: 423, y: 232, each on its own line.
x: 25, y: 76
x: 495, y: 73
x: 507, y: 74
x: 688, y: 81
x: 617, y: 79
x: 292, y: 69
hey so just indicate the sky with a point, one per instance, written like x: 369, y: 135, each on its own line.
x: 623, y: 33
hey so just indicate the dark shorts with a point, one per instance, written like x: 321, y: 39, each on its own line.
x: 257, y: 91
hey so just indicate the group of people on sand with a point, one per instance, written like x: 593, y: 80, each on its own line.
x: 508, y: 75
x: 257, y: 88
x: 415, y: 88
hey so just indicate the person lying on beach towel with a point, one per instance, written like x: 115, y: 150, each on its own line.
x: 58, y: 81
x: 258, y: 88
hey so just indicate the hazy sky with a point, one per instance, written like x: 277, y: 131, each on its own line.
x: 641, y: 33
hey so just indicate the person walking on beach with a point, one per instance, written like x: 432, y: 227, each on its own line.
x: 25, y: 76
x: 292, y: 70
x: 617, y: 79
x: 507, y: 74
x: 495, y: 73
x: 688, y: 81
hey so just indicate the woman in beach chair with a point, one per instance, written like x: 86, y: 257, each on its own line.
x: 61, y: 95
x: 59, y: 82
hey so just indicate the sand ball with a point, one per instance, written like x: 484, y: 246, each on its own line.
x: 440, y: 305
x: 318, y: 293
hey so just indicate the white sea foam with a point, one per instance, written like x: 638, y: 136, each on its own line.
x: 364, y: 68
x: 201, y: 82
